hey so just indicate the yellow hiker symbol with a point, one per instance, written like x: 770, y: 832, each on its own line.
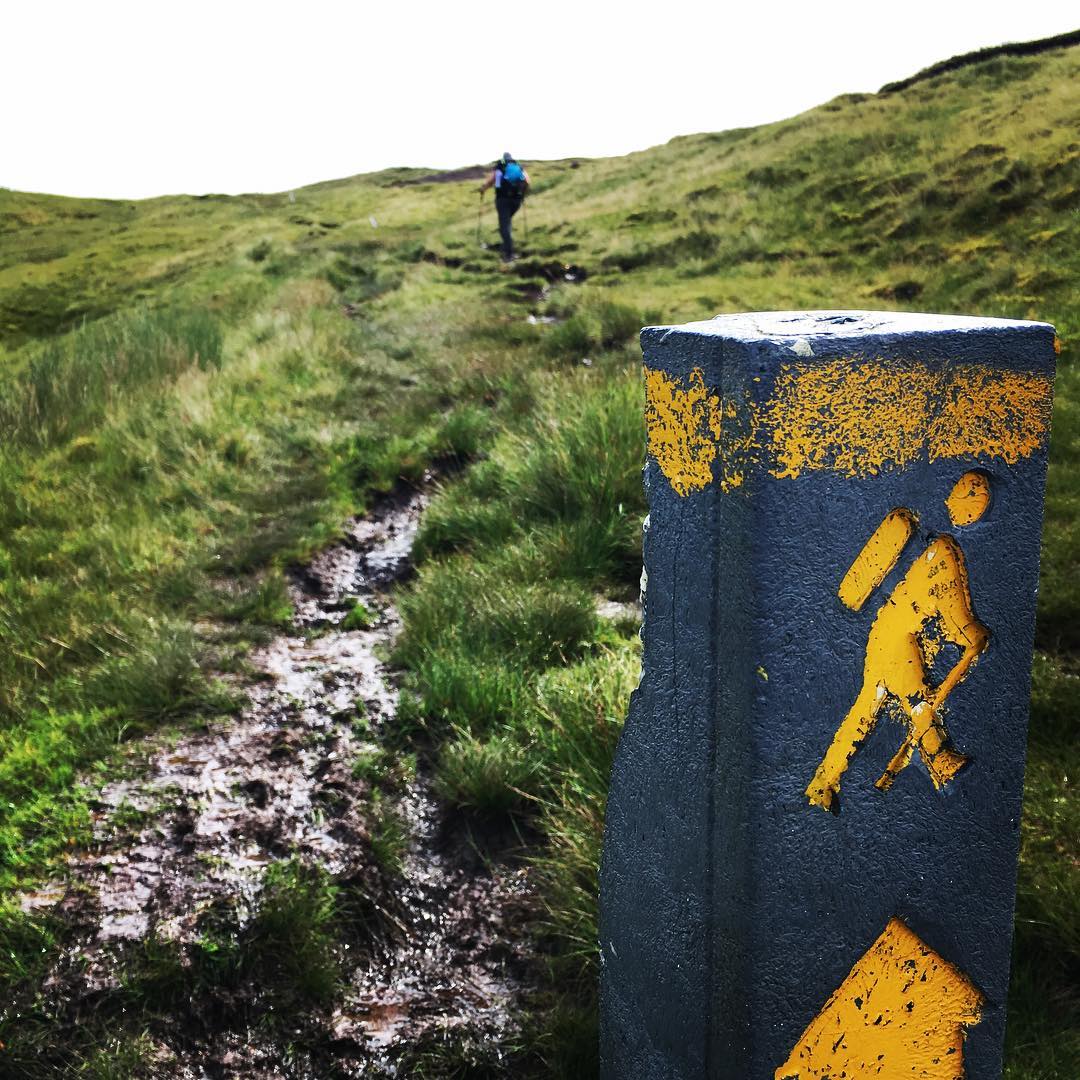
x: 927, y: 612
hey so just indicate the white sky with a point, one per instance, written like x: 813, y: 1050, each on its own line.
x: 121, y: 99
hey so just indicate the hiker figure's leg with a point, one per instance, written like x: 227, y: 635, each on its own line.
x: 858, y: 723
x: 941, y: 760
x: 902, y: 758
x: 899, y: 761
x: 506, y: 211
x: 927, y: 734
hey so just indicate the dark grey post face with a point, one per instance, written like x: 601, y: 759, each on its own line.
x: 815, y: 803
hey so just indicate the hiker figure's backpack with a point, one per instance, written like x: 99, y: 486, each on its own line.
x: 513, y: 180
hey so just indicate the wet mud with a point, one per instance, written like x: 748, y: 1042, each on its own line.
x: 198, y: 824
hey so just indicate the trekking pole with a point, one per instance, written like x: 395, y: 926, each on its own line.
x: 479, y: 215
x: 524, y: 222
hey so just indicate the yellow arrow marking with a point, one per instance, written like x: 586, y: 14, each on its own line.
x: 902, y: 1012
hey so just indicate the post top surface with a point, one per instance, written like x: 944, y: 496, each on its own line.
x: 758, y: 325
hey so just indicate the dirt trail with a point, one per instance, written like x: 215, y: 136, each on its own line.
x: 216, y: 808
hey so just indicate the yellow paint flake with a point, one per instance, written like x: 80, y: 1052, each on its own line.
x: 858, y: 418
x: 739, y: 441
x: 853, y: 419
x: 901, y: 1012
x: 990, y: 414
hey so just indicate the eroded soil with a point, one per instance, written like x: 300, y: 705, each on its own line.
x: 195, y: 830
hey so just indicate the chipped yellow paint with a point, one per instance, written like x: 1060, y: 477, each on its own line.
x: 930, y: 607
x: 860, y: 418
x: 848, y: 418
x: 738, y: 441
x: 969, y: 498
x: 878, y: 556
x: 903, y: 1011
x: 1057, y: 345
x: 851, y: 417
x: 683, y: 422
x: 990, y: 414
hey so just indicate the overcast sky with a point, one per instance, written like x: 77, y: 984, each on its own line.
x: 111, y: 98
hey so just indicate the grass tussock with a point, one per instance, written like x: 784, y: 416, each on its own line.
x: 68, y: 385
x: 527, y: 684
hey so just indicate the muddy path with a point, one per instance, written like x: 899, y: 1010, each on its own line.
x: 442, y: 959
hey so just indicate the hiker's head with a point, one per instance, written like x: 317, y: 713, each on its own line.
x: 969, y: 498
x: 507, y: 158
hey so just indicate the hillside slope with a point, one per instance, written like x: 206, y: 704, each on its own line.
x: 199, y: 391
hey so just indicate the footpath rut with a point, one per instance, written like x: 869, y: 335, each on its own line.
x: 448, y: 963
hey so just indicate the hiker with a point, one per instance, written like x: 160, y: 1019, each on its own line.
x: 510, y: 182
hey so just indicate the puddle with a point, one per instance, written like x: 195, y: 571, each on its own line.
x: 619, y: 610
x: 214, y: 808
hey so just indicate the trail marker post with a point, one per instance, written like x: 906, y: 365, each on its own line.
x: 810, y: 852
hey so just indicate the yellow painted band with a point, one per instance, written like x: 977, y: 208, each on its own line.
x: 851, y: 417
x: 684, y: 428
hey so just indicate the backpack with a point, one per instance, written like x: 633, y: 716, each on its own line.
x: 513, y: 179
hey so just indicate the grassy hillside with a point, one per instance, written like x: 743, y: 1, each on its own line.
x: 199, y: 390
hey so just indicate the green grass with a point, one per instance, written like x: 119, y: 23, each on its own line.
x: 218, y: 416
x: 485, y: 776
x: 69, y: 384
x: 358, y: 617
x: 292, y: 947
x: 389, y: 834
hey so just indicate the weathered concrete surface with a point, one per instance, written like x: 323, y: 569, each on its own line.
x: 845, y: 514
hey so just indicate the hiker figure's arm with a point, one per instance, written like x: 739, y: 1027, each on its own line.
x: 525, y: 173
x: 961, y: 625
x: 973, y: 638
x: 489, y: 182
